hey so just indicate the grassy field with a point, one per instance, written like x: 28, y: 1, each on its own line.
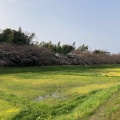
x: 60, y: 93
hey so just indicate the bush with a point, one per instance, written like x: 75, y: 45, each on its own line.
x: 33, y: 55
x: 25, y: 55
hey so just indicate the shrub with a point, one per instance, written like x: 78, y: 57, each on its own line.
x: 25, y: 55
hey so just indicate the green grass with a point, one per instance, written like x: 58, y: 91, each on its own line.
x: 6, y: 110
x: 59, y: 92
x: 109, y: 110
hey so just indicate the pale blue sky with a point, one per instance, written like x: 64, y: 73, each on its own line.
x: 95, y: 23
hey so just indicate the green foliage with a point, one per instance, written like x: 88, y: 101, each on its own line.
x: 63, y: 49
x: 16, y: 37
x: 67, y: 48
x: 100, y: 52
x: 83, y: 48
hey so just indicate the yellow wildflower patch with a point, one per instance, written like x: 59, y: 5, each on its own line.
x: 89, y: 88
x: 12, y: 110
x: 111, y: 74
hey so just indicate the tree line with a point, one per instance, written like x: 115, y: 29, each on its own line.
x: 18, y: 49
x: 21, y: 38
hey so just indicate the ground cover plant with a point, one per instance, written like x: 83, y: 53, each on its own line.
x: 60, y: 93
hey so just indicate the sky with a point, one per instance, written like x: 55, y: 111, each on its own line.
x: 95, y: 23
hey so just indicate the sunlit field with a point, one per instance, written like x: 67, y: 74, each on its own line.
x: 60, y: 93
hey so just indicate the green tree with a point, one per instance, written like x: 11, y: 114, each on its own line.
x: 83, y: 48
x: 6, y: 36
x: 100, y: 52
x: 67, y: 48
x: 16, y: 37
